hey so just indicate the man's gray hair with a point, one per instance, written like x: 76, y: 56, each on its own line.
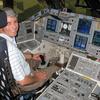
x: 10, y: 12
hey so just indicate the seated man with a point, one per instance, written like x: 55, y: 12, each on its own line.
x: 20, y: 68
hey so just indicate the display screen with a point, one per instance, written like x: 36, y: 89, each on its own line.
x: 84, y: 26
x: 80, y: 42
x: 29, y: 30
x: 66, y: 28
x: 51, y: 25
x: 96, y: 38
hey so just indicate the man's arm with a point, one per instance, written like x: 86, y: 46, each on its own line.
x: 28, y: 55
x: 31, y: 56
x: 34, y: 78
x: 27, y: 80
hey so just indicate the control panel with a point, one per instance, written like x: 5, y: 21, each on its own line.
x: 76, y: 32
x: 84, y: 65
x: 25, y: 39
x: 67, y: 38
x: 69, y: 86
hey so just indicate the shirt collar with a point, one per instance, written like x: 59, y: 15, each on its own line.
x: 7, y: 37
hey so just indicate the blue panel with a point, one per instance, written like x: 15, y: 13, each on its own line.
x: 80, y: 42
x: 96, y: 38
x: 51, y: 25
x: 84, y: 26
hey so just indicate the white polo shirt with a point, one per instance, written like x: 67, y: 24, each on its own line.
x: 20, y: 68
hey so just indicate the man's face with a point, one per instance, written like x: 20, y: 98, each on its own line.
x: 12, y: 26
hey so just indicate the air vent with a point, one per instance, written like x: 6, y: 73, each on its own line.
x: 73, y: 62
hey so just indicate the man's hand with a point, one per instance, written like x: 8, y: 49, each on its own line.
x: 40, y: 75
x: 36, y: 57
x: 30, y: 56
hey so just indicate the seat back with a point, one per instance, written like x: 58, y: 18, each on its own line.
x: 5, y: 92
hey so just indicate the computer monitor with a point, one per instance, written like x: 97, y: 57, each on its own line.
x: 96, y: 38
x: 84, y: 26
x: 51, y: 25
x: 80, y: 42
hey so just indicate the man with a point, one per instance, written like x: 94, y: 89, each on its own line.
x: 20, y: 68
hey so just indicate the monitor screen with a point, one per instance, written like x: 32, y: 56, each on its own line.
x: 84, y: 26
x: 29, y: 30
x: 66, y: 28
x: 80, y: 42
x: 96, y: 38
x: 51, y: 25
